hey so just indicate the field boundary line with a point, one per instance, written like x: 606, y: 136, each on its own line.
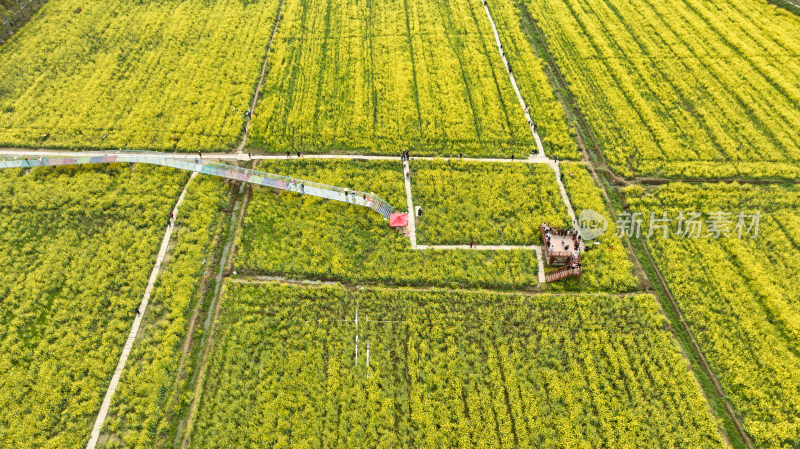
x: 210, y: 322
x: 564, y: 196
x: 316, y: 283
x: 35, y: 153
x: 615, y: 179
x: 278, y: 16
x: 700, y: 355
x: 123, y: 358
x: 482, y: 247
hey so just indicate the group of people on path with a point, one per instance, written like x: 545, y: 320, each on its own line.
x: 406, y: 156
x: 565, y: 234
x: 574, y: 259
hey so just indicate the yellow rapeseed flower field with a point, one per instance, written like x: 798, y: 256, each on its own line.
x: 688, y: 88
x: 144, y: 75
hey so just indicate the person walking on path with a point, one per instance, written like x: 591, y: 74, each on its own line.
x: 200, y: 154
x: 298, y: 154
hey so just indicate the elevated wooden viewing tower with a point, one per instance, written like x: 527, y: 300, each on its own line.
x: 562, y: 248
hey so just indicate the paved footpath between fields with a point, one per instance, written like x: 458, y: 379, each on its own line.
x: 112, y: 387
x: 412, y: 234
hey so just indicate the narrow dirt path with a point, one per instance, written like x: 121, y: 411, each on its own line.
x: 210, y: 324
x: 278, y: 16
x: 481, y: 247
x: 123, y: 358
x: 602, y: 165
x: 35, y: 153
x: 540, y: 157
x: 701, y: 357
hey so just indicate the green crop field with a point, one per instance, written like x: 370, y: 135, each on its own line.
x: 682, y: 89
x: 741, y: 297
x: 491, y: 204
x: 157, y: 75
x: 151, y: 397
x: 290, y: 235
x: 76, y: 250
x: 387, y: 76
x: 445, y: 369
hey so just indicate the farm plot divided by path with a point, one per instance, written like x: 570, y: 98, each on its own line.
x: 301, y: 237
x: 689, y: 88
x: 386, y: 76
x: 77, y: 248
x: 156, y: 75
x: 606, y: 264
x: 150, y: 400
x: 388, y: 368
x: 491, y: 204
x: 739, y: 296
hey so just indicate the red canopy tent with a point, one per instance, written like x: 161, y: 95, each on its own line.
x: 398, y: 220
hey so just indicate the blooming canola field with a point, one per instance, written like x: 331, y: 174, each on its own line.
x: 280, y: 319
x: 391, y: 75
x: 682, y: 89
x: 157, y: 75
